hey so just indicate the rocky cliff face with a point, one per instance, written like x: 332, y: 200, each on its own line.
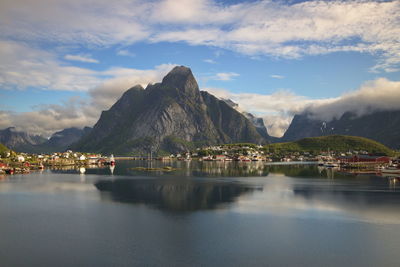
x: 381, y: 126
x: 169, y: 116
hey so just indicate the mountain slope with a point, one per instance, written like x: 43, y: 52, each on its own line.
x: 20, y: 141
x: 337, y: 143
x: 257, y: 122
x: 60, y: 141
x: 169, y: 116
x: 381, y: 126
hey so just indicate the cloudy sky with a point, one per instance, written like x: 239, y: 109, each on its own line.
x: 63, y: 61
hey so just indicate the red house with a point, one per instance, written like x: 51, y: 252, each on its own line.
x: 365, y: 159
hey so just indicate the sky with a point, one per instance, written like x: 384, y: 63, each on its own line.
x: 64, y: 61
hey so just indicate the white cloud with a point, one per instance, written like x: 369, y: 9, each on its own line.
x: 270, y: 28
x: 23, y: 66
x: 80, y: 112
x: 91, y: 23
x: 126, y: 53
x: 295, y: 30
x: 380, y: 94
x: 106, y: 94
x: 276, y: 76
x: 81, y: 58
x: 278, y: 108
x: 211, y: 61
x: 225, y: 76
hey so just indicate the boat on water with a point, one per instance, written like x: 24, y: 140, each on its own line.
x: 9, y: 171
x: 110, y: 160
x: 393, y: 169
x: 331, y: 164
x: 245, y: 159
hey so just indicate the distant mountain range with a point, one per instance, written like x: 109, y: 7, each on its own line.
x: 20, y: 141
x: 23, y: 142
x: 171, y: 116
x: 174, y: 116
x: 381, y: 126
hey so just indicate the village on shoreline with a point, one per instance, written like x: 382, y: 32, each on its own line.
x: 13, y: 162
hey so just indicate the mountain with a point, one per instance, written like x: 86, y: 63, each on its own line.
x: 170, y: 116
x: 257, y: 122
x: 381, y: 126
x: 20, y: 141
x: 338, y: 143
x: 28, y: 143
x: 62, y: 140
x: 260, y: 127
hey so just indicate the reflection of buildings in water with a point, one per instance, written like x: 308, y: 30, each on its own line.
x: 187, y: 166
x: 175, y: 195
x: 112, y: 167
x: 63, y: 168
x: 393, y: 182
x: 330, y: 173
x: 231, y: 168
x: 320, y: 169
x: 82, y: 176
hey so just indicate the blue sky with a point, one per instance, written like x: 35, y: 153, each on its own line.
x: 65, y: 61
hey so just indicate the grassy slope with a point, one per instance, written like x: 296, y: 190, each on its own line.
x: 3, y: 148
x: 339, y: 143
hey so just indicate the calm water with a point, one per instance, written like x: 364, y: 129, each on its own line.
x: 203, y: 213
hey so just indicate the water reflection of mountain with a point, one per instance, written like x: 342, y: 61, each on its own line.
x: 194, y: 168
x: 175, y: 195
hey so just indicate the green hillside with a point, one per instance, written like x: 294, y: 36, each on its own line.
x: 3, y: 150
x: 337, y: 143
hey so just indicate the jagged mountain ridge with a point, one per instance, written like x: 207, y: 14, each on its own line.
x: 170, y: 116
x: 381, y: 126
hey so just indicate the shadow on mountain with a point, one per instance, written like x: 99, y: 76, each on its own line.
x: 175, y: 196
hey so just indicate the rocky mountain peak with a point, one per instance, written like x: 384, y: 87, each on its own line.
x: 181, y: 78
x: 171, y: 116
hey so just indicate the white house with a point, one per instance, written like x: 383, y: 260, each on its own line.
x: 20, y: 158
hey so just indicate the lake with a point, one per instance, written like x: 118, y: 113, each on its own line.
x: 201, y: 213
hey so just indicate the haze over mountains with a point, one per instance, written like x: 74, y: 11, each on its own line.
x: 174, y: 115
x: 381, y: 126
x: 24, y: 142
